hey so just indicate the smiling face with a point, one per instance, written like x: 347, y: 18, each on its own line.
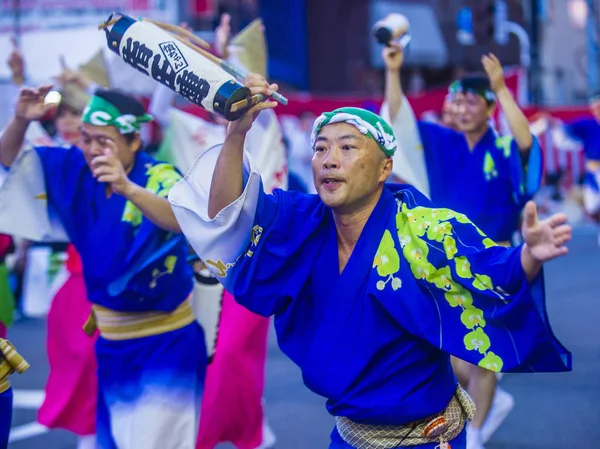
x: 472, y: 112
x: 349, y: 169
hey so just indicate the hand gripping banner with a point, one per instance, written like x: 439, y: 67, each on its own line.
x: 174, y: 57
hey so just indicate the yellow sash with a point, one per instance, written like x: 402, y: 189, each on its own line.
x: 115, y: 325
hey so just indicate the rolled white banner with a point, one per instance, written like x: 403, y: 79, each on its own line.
x: 160, y: 55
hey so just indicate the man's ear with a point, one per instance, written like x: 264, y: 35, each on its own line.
x: 136, y: 144
x: 387, y: 168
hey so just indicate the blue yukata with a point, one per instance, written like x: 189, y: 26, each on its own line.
x: 422, y: 283
x: 137, y: 276
x: 490, y: 183
x: 6, y: 405
x: 587, y: 132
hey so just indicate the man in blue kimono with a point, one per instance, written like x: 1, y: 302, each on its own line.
x: 371, y: 285
x: 585, y: 132
x: 472, y: 170
x: 109, y: 198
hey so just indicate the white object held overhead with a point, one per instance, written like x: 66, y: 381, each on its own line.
x: 173, y: 63
x: 393, y: 28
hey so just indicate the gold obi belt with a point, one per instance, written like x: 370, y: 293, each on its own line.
x: 10, y: 361
x: 441, y: 428
x: 115, y: 325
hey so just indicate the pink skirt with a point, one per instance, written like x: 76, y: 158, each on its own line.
x: 232, y: 408
x: 71, y: 391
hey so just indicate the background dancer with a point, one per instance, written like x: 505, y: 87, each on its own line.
x: 111, y: 191
x: 481, y: 174
x: 319, y: 290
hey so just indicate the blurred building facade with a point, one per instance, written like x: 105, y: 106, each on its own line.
x: 327, y: 47
x: 341, y: 53
x: 564, y: 51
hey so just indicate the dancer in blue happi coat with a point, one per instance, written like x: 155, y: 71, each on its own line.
x: 108, y: 197
x: 471, y: 169
x: 372, y: 286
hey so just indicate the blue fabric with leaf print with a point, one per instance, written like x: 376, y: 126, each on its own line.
x: 421, y: 283
x: 490, y: 184
x: 130, y: 264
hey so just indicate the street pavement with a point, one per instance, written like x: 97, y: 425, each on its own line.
x: 552, y: 411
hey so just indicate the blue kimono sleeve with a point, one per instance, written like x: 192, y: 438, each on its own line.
x: 280, y: 258
x: 57, y: 161
x: 525, y: 172
x: 577, y: 130
x: 62, y: 167
x: 254, y: 246
x: 587, y: 132
x: 476, y: 302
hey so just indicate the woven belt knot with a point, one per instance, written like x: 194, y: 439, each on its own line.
x: 443, y: 427
x: 10, y: 361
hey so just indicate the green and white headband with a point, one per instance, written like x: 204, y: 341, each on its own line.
x: 474, y: 86
x: 100, y: 112
x: 366, y: 122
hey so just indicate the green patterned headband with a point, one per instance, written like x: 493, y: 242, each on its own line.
x: 100, y: 112
x: 465, y: 86
x: 367, y: 123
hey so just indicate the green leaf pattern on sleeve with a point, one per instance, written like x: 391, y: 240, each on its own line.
x: 387, y: 262
x: 489, y: 167
x: 418, y: 229
x: 161, y: 178
x: 504, y: 143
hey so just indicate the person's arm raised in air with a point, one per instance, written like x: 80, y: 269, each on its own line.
x: 228, y: 178
x: 30, y: 107
x: 393, y: 58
